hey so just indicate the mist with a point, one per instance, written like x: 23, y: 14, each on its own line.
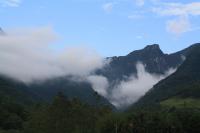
x: 27, y: 55
x: 129, y: 91
x: 99, y: 83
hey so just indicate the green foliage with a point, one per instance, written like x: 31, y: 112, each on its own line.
x: 64, y: 116
x: 72, y: 116
x: 12, y: 116
x: 111, y: 124
x: 164, y: 120
x: 182, y: 102
x: 189, y: 119
x: 141, y: 122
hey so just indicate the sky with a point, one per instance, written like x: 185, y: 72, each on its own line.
x: 111, y: 27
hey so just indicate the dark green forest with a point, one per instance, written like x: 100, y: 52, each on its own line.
x: 73, y: 116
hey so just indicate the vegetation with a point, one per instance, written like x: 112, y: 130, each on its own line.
x: 72, y: 116
x: 172, y: 106
x: 182, y: 103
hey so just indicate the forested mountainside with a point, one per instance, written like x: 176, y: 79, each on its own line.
x: 181, y: 88
x: 46, y: 91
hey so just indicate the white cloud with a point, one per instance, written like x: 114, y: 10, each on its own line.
x: 182, y: 12
x: 10, y: 3
x: 129, y: 91
x: 178, y: 9
x: 139, y: 2
x: 108, y: 7
x: 25, y: 55
x: 178, y: 26
x: 99, y: 84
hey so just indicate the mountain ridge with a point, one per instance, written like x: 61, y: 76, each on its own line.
x: 154, y: 59
x: 45, y: 91
x: 184, y: 83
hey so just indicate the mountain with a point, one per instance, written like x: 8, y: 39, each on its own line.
x: 180, y: 88
x: 119, y: 68
x: 154, y: 59
x: 46, y: 91
x: 15, y: 91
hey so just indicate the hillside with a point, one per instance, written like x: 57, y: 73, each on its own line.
x: 83, y: 91
x: 11, y: 90
x: 15, y: 91
x: 182, y: 87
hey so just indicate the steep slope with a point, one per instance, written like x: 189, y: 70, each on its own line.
x: 81, y: 90
x: 15, y: 91
x: 183, y: 84
x: 21, y: 93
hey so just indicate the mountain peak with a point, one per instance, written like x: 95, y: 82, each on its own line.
x: 150, y: 50
x: 152, y: 47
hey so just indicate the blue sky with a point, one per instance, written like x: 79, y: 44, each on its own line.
x: 111, y: 27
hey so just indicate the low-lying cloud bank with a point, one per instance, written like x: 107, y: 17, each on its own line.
x: 26, y: 55
x: 129, y: 91
x: 99, y: 84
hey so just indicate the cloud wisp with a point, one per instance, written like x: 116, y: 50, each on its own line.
x: 181, y: 13
x: 108, y: 7
x: 139, y: 2
x: 178, y: 9
x: 178, y: 26
x: 26, y: 55
x: 10, y: 3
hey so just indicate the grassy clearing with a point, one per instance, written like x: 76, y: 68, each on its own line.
x: 182, y: 103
